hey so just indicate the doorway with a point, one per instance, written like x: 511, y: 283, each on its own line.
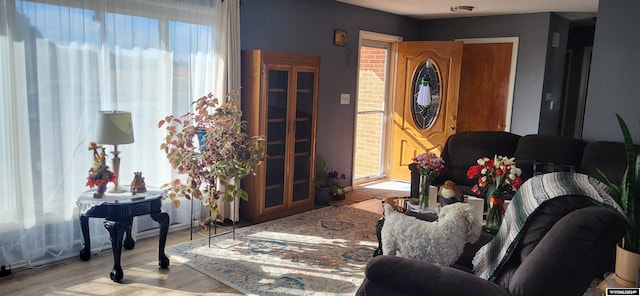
x: 374, y: 77
x: 487, y: 83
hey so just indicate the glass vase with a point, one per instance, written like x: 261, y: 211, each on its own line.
x: 102, y: 188
x: 425, y: 183
x: 495, y: 215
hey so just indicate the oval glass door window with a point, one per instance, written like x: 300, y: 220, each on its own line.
x: 426, y: 95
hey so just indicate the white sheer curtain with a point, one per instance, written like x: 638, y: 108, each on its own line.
x: 63, y: 61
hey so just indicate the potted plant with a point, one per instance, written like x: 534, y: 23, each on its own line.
x: 626, y: 194
x: 222, y: 155
x: 328, y: 182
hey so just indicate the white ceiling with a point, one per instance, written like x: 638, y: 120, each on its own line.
x: 436, y: 9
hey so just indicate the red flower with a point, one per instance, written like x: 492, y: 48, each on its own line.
x: 489, y: 164
x: 516, y: 183
x: 475, y: 189
x: 473, y: 171
x: 495, y: 176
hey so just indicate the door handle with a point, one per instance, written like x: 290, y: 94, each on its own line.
x: 500, y: 125
x: 452, y: 127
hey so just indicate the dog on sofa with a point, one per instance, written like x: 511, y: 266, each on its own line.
x: 439, y: 242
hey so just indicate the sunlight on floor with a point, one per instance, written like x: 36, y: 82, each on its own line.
x: 390, y: 185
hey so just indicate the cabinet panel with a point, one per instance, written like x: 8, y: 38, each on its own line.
x: 279, y: 101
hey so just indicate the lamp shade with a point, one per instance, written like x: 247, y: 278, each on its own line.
x: 114, y: 128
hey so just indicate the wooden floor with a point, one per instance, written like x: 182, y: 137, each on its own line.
x: 142, y: 276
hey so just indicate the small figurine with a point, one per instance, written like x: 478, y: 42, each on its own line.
x: 449, y: 193
x: 138, y: 185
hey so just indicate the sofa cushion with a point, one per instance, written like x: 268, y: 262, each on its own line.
x: 609, y: 157
x: 550, y: 152
x: 463, y: 150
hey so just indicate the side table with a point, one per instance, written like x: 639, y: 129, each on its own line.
x: 118, y: 210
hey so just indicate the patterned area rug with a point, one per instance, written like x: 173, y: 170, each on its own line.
x: 321, y: 252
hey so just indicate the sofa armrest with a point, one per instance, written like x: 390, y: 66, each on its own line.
x: 581, y: 244
x: 390, y: 275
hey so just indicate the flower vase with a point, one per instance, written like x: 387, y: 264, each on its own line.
x: 102, y: 188
x: 425, y: 184
x: 495, y: 215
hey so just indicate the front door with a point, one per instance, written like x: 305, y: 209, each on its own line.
x: 425, y: 101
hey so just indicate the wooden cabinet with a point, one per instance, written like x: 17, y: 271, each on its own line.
x: 279, y: 101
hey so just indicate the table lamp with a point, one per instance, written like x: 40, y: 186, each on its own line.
x: 115, y: 128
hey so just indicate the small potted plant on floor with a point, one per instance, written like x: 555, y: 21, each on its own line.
x: 627, y: 195
x: 211, y: 148
x: 329, y: 184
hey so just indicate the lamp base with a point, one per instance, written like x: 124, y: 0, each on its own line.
x: 116, y: 188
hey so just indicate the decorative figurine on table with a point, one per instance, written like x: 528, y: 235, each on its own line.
x: 138, y: 185
x: 99, y: 174
x: 449, y: 193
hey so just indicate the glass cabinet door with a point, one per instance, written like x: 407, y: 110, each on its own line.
x: 303, y: 132
x: 278, y: 81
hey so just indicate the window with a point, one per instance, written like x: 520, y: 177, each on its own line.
x: 62, y: 62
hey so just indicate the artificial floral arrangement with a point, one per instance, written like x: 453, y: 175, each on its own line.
x: 429, y: 166
x: 99, y: 173
x: 328, y: 178
x: 496, y: 177
x: 225, y: 153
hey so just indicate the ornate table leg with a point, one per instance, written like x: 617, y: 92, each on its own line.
x: 116, y: 230
x: 85, y: 253
x: 163, y: 220
x: 129, y: 243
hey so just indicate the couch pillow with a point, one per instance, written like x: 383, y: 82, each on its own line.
x: 609, y: 157
x: 549, y: 151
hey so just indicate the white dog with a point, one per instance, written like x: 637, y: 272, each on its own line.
x: 440, y: 242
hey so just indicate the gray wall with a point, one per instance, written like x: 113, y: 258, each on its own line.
x: 306, y: 26
x: 533, y: 33
x: 615, y: 72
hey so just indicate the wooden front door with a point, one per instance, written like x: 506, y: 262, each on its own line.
x: 484, y: 87
x: 425, y: 100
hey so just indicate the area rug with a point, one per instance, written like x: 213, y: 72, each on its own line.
x: 320, y: 252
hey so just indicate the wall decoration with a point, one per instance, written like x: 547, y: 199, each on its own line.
x: 339, y: 38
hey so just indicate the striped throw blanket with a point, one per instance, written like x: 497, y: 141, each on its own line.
x: 490, y: 258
